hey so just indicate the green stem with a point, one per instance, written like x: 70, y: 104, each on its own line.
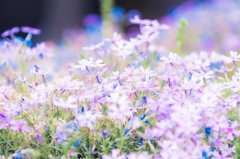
x: 107, y: 25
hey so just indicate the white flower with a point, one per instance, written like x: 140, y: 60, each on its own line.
x: 94, y: 47
x: 37, y: 71
x: 87, y: 64
x: 172, y: 58
x: 69, y: 103
x: 134, y: 123
x: 88, y: 119
x: 234, y: 56
x: 116, y: 154
x: 142, y: 155
x: 119, y: 107
x: 19, y: 79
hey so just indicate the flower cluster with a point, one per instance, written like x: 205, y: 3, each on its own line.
x: 132, y: 99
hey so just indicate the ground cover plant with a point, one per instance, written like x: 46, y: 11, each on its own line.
x: 122, y: 99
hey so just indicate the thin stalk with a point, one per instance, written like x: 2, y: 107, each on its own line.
x: 107, y: 24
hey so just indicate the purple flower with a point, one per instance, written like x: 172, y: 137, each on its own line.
x: 30, y: 30
x: 2, y: 116
x: 39, y: 137
x: 3, y: 122
x: 60, y: 136
x: 98, y: 80
x: 10, y: 32
x: 19, y: 125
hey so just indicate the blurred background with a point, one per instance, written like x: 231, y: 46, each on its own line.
x: 211, y: 24
x: 55, y: 16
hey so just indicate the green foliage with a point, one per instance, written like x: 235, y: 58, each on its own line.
x: 181, y: 32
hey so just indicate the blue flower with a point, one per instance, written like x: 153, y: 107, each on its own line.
x: 215, y: 65
x: 144, y: 100
x: 147, y: 122
x: 104, y: 133
x: 3, y: 64
x: 29, y: 43
x: 204, y: 155
x: 142, y: 116
x: 136, y: 64
x: 89, y: 149
x: 117, y: 13
x: 158, y: 58
x: 41, y: 56
x: 73, y: 126
x: 140, y: 142
x: 208, y: 130
x: 115, y: 85
x: 213, y: 149
x: 189, y: 76
x: 80, y: 111
x: 142, y: 56
x: 18, y: 156
x: 126, y: 131
x: 77, y: 143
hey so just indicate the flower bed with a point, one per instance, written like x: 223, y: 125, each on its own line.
x: 125, y: 99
